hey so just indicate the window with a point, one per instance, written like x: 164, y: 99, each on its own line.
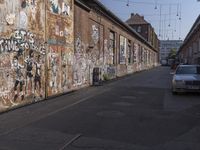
x: 122, y: 50
x: 135, y: 52
x: 112, y: 47
x: 139, y: 29
x: 129, y: 52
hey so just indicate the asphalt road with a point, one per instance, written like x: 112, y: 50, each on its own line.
x: 137, y: 112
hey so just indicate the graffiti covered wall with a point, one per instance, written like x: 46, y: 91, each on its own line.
x: 27, y: 52
x: 22, y: 52
x: 88, y: 53
x: 60, y: 41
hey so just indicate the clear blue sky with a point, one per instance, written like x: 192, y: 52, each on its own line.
x: 170, y: 27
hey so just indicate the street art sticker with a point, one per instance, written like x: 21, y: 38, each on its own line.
x: 23, y: 20
x: 60, y: 31
x: 78, y: 45
x: 122, y: 51
x: 29, y: 13
x: 54, y: 68
x: 95, y: 34
x: 61, y: 7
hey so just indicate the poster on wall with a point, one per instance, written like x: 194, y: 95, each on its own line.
x: 122, y: 50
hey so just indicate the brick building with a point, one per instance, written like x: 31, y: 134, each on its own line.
x: 109, y: 43
x: 58, y: 46
x: 189, y: 52
x: 144, y: 28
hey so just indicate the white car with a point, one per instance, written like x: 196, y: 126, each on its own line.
x: 186, y: 79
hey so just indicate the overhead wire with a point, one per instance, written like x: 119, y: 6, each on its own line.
x: 163, y: 33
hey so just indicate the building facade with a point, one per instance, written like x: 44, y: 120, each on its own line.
x: 36, y: 47
x: 50, y: 47
x: 189, y: 52
x: 166, y: 46
x: 144, y: 28
x: 108, y: 43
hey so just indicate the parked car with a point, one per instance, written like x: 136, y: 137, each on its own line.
x: 186, y: 79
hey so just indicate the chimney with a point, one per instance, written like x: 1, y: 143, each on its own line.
x: 132, y: 15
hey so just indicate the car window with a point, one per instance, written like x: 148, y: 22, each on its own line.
x: 188, y: 70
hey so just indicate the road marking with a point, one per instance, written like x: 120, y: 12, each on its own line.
x: 54, y: 112
x: 70, y: 142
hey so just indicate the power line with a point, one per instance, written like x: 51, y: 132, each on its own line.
x: 165, y: 19
x: 127, y: 13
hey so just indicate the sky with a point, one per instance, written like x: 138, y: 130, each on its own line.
x: 175, y: 21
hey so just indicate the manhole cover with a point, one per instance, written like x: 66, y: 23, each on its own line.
x: 110, y: 114
x: 123, y: 104
x: 129, y: 97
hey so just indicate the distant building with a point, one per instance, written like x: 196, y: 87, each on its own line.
x: 165, y: 48
x: 144, y: 28
x: 190, y: 50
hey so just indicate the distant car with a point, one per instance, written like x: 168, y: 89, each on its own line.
x: 186, y: 79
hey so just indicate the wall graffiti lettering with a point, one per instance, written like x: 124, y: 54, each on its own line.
x: 19, y: 41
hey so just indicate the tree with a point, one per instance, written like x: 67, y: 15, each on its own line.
x: 172, y: 54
